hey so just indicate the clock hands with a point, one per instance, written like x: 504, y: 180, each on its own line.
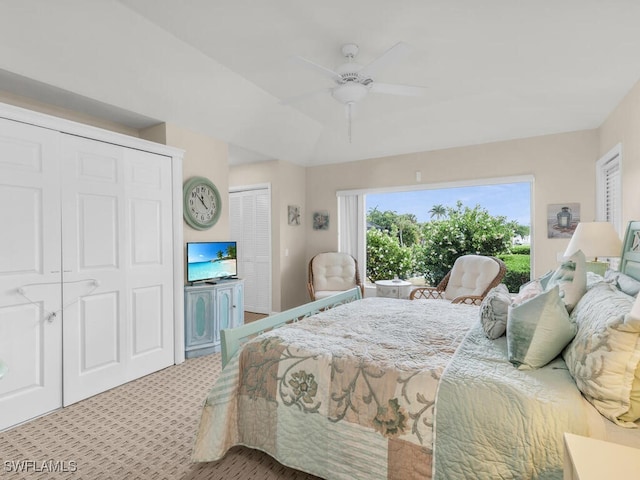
x: 202, y: 201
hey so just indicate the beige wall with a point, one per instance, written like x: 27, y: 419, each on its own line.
x: 562, y: 166
x: 205, y: 157
x: 623, y: 126
x: 67, y: 114
x: 288, y: 247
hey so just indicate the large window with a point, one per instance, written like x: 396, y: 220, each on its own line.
x: 507, y: 197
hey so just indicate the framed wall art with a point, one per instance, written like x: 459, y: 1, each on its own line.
x: 321, y: 220
x: 293, y: 214
x: 562, y: 219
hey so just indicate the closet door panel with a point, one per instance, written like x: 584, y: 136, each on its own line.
x: 97, y: 224
x: 99, y: 318
x: 117, y: 240
x: 30, y: 272
x: 150, y: 262
x: 94, y: 280
x: 148, y: 327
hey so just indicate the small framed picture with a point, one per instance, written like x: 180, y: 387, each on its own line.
x: 321, y: 220
x: 293, y: 213
x: 562, y: 219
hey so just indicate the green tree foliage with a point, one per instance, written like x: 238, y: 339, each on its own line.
x: 438, y: 212
x: 402, y: 226
x: 386, y: 259
x: 464, y: 231
x: 522, y: 230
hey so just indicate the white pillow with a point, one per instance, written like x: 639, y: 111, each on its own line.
x: 603, y: 357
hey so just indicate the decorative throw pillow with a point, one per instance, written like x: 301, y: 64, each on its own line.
x: 544, y: 279
x: 538, y: 330
x: 571, y: 277
x: 604, y: 355
x: 528, y: 291
x: 494, y: 310
x: 625, y: 283
x: 633, y: 413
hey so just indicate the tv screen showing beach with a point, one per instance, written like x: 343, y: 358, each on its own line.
x: 206, y: 260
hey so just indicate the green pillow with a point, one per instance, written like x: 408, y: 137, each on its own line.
x: 538, y: 330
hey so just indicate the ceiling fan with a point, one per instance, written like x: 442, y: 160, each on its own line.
x: 354, y: 81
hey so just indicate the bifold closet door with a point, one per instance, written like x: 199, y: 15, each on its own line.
x: 117, y: 265
x: 30, y: 272
x: 250, y: 226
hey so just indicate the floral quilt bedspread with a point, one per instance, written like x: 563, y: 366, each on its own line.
x: 348, y: 393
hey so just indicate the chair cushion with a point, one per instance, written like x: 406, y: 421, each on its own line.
x: 471, y: 275
x: 333, y: 271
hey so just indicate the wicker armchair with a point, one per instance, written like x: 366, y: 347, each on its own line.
x: 470, y: 279
x: 331, y: 273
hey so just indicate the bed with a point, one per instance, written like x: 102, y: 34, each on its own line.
x: 398, y: 389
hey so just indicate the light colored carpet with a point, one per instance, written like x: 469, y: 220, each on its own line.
x: 141, y: 430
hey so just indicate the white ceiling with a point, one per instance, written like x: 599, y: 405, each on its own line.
x: 495, y: 70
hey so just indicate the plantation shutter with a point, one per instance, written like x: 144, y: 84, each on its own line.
x: 250, y: 226
x: 351, y: 228
x: 609, y: 188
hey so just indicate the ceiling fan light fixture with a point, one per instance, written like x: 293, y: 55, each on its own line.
x: 349, y: 92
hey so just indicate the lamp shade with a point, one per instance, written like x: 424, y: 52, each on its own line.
x: 595, y: 239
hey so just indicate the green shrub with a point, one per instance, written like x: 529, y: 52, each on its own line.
x: 518, y: 270
x: 386, y: 259
x: 521, y: 249
x: 465, y: 231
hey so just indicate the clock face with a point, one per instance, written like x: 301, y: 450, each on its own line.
x: 201, y: 203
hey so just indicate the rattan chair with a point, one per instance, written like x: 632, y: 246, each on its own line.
x: 331, y: 273
x: 469, y: 281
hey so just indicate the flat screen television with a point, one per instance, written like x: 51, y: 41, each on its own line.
x: 210, y: 261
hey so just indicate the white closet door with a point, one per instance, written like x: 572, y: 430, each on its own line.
x: 250, y: 225
x: 150, y: 266
x: 117, y: 268
x: 30, y: 337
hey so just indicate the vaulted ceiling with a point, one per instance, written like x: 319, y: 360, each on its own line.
x: 494, y: 70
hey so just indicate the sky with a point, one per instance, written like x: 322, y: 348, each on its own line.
x: 512, y: 200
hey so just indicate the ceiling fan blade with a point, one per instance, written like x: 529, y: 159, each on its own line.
x: 395, y: 53
x: 302, y: 96
x: 327, y: 72
x: 395, y: 89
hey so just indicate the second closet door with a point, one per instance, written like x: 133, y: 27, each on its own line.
x: 117, y: 265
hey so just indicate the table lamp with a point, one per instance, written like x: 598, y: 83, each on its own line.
x: 595, y: 239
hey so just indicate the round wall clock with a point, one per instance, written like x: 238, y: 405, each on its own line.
x: 202, y: 203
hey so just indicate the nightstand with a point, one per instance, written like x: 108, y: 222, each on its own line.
x: 591, y: 459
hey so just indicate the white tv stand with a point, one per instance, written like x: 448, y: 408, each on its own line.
x: 210, y: 307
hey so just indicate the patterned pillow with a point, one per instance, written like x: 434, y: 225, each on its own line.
x: 538, y: 330
x: 494, y: 310
x: 604, y: 355
x: 571, y: 277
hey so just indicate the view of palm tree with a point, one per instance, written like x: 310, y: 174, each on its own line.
x: 438, y: 212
